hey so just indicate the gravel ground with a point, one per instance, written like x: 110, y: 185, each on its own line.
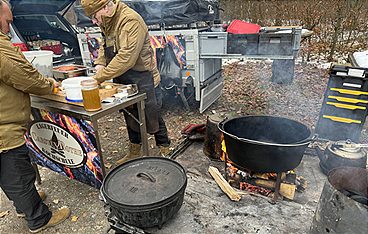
x: 248, y: 90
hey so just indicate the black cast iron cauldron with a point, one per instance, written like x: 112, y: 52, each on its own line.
x: 265, y: 143
x: 145, y: 192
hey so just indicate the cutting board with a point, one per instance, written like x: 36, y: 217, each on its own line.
x: 106, y: 90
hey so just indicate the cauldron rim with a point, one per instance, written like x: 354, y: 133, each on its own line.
x: 303, y: 142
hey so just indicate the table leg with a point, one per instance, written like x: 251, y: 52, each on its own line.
x: 99, y: 149
x: 143, y: 128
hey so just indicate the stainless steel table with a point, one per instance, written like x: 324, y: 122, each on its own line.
x: 107, y: 108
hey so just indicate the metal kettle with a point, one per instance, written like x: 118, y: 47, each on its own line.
x: 342, y: 154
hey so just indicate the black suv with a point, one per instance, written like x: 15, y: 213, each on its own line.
x: 41, y: 25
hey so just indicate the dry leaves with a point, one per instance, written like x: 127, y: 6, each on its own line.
x: 108, y: 165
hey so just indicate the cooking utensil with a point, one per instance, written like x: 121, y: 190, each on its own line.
x: 66, y: 71
x: 145, y: 192
x: 265, y: 143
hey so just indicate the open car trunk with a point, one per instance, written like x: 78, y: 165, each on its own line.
x: 42, y: 27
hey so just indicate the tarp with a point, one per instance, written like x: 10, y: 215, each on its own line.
x: 165, y: 12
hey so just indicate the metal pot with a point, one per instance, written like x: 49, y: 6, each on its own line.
x: 145, y: 192
x: 265, y: 143
x: 341, y: 154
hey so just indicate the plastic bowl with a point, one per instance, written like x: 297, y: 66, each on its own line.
x: 73, y: 88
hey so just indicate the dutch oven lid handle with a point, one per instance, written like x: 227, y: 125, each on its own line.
x: 147, y: 176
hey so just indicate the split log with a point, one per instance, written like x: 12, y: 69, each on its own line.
x: 286, y: 190
x: 224, y: 185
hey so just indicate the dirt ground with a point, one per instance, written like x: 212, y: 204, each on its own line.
x: 248, y: 90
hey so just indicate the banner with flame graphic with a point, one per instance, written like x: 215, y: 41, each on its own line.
x: 177, y: 44
x: 66, y: 145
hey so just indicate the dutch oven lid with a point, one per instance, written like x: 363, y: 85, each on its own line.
x: 144, y: 181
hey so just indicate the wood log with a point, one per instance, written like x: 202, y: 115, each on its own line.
x: 213, y: 136
x: 224, y: 185
x: 286, y: 190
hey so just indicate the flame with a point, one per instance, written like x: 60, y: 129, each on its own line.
x: 176, y: 45
x: 223, y: 147
x: 74, y: 126
x: 156, y: 42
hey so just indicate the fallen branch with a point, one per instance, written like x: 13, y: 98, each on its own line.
x: 224, y: 185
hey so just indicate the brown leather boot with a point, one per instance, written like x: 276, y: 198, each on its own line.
x: 134, y: 152
x: 164, y: 151
x: 43, y: 197
x: 57, y: 217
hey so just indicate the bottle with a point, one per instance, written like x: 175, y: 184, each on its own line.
x: 91, y: 95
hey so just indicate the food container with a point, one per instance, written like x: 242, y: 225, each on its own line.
x: 131, y: 89
x: 41, y: 60
x: 66, y: 71
x: 73, y: 88
x: 91, y: 95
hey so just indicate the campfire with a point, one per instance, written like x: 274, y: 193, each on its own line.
x: 273, y: 185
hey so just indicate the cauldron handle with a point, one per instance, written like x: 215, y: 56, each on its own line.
x: 146, y: 175
x: 311, y: 139
x: 220, y: 126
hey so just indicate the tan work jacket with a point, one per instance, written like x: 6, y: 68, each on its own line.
x: 17, y: 80
x: 126, y: 31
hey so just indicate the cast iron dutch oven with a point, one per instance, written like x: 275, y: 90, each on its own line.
x: 145, y: 192
x: 265, y: 143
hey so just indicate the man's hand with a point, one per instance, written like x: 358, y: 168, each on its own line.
x: 55, y: 85
x: 98, y: 82
x: 99, y: 67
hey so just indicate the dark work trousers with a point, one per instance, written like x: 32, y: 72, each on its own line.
x: 161, y: 136
x: 17, y: 177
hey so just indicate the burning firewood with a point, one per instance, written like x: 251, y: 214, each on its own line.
x: 254, y: 189
x: 224, y: 185
x: 286, y: 190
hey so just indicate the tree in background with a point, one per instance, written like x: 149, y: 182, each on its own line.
x: 339, y: 26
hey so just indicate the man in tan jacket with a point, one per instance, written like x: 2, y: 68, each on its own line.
x: 127, y: 57
x: 18, y: 79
